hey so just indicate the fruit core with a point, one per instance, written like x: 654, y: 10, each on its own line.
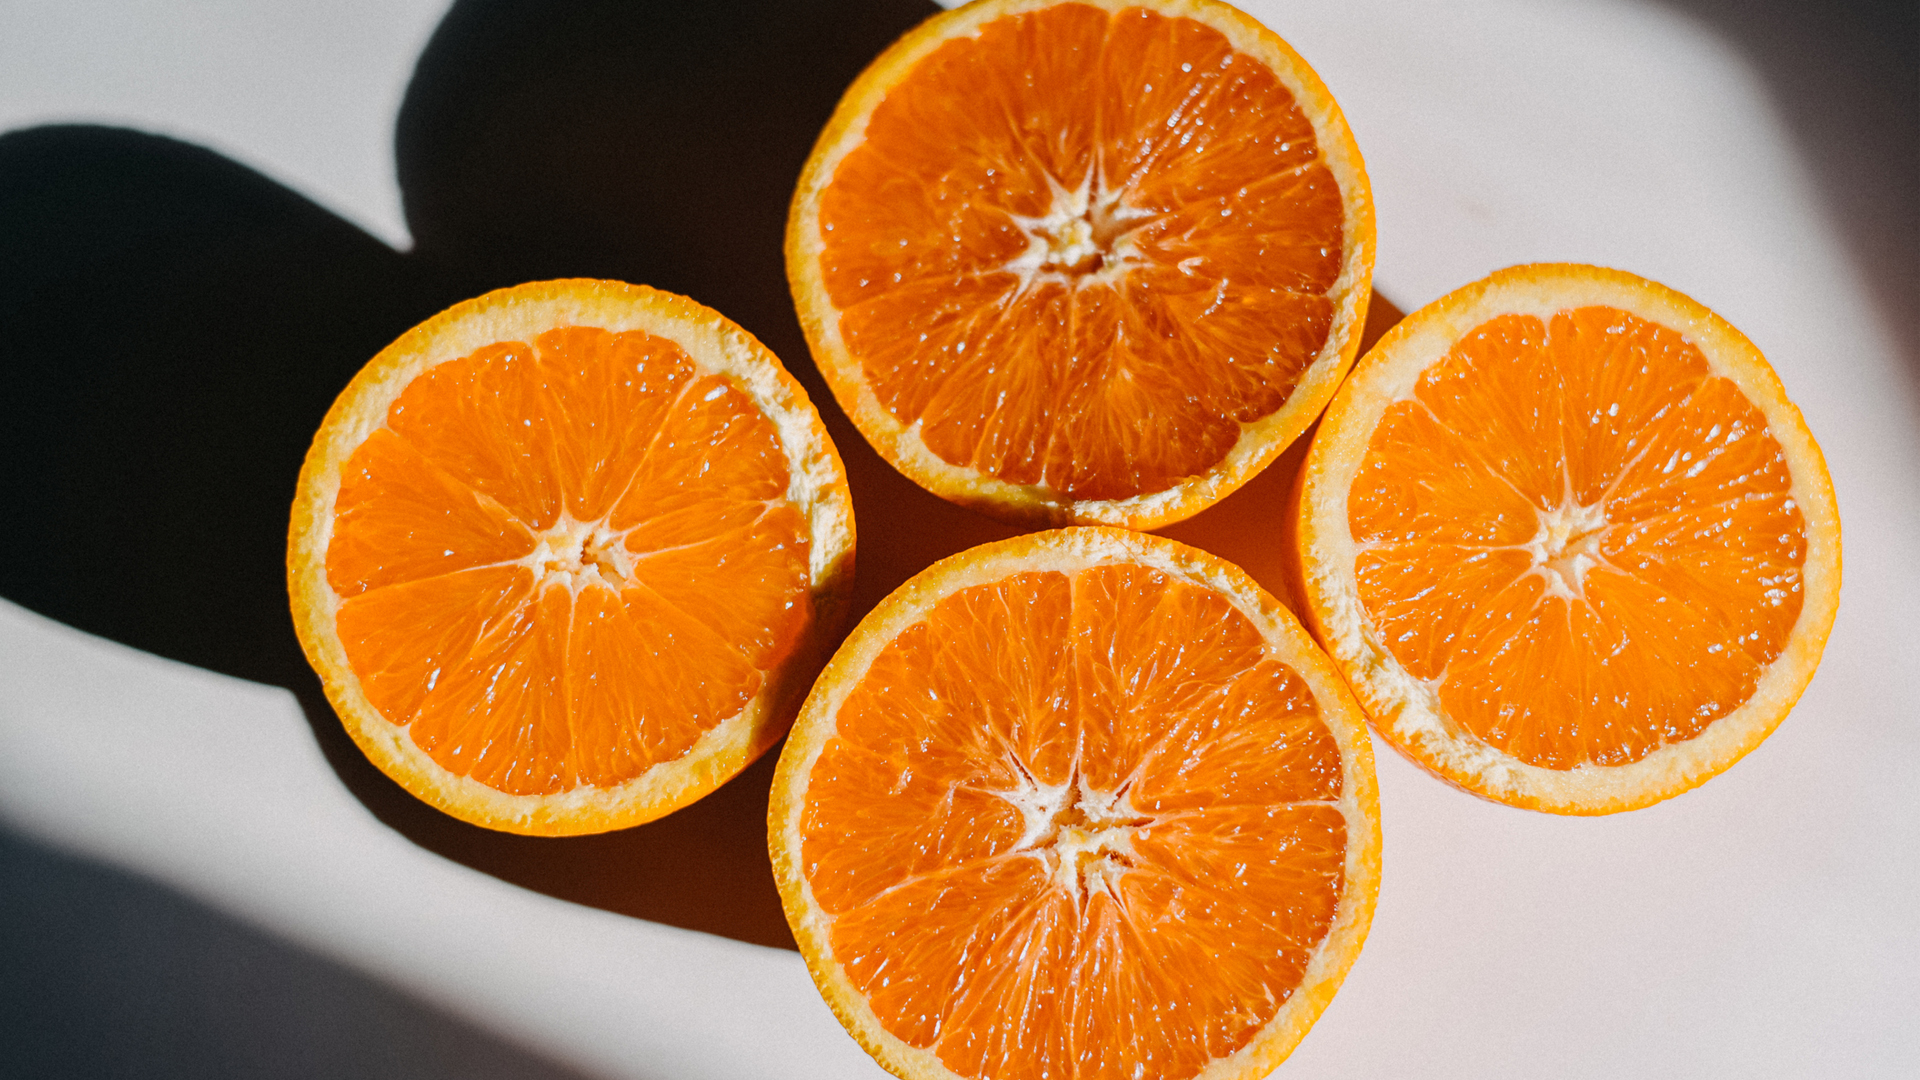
x: 1567, y: 546
x: 576, y: 554
x: 1083, y: 835
x: 1085, y: 236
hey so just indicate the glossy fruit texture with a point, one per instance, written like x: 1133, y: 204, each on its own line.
x: 1570, y: 540
x: 556, y: 554
x: 1084, y: 262
x: 1085, y: 803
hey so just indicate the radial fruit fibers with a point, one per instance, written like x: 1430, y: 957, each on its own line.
x: 1568, y: 540
x: 1081, y: 804
x: 1093, y: 262
x: 564, y: 556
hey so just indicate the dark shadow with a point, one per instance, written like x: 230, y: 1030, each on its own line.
x: 105, y: 975
x: 656, y: 142
x: 1844, y: 76
x: 173, y: 326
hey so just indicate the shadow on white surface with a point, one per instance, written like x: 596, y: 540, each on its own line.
x: 106, y: 974
x: 1844, y: 77
x: 214, y: 786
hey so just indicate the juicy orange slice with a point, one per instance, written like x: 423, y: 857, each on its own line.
x: 1080, y: 804
x: 1096, y: 261
x: 1569, y: 541
x: 564, y: 555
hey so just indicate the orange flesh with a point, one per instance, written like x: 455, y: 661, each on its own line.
x: 1580, y: 535
x: 1082, y: 249
x: 1077, y: 827
x: 561, y: 563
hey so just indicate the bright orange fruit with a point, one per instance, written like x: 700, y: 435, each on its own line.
x: 1092, y: 261
x: 1568, y: 540
x: 1081, y: 804
x: 564, y: 555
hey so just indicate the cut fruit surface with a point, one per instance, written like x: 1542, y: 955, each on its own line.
x: 565, y: 555
x: 1092, y: 262
x: 1568, y: 540
x: 1082, y: 804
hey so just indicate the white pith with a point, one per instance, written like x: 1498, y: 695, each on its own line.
x: 1567, y: 546
x: 573, y: 554
x: 1085, y: 238
x: 1082, y: 835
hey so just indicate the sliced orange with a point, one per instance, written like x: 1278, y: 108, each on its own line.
x: 565, y: 555
x: 1568, y: 540
x: 1093, y: 262
x: 1079, y: 804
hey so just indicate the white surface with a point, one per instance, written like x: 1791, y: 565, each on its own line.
x: 215, y: 786
x: 1765, y: 925
x: 305, y: 93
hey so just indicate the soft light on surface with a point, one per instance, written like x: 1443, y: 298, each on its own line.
x: 305, y: 93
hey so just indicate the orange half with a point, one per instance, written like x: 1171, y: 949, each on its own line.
x: 1569, y: 541
x: 565, y: 555
x: 1092, y: 262
x: 1081, y: 804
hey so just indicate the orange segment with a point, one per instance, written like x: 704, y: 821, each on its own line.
x: 1092, y: 262
x: 562, y: 554
x: 1084, y: 804
x: 1569, y: 540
